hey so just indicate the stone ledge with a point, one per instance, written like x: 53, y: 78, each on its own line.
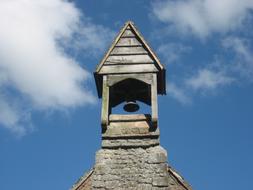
x: 130, y: 126
x: 123, y: 143
x: 130, y: 136
x: 129, y: 117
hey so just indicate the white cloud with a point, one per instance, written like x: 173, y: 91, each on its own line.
x: 33, y: 61
x: 243, y: 63
x: 178, y: 94
x: 203, y: 17
x: 94, y: 36
x: 207, y: 79
x: 172, y: 51
x: 13, y: 118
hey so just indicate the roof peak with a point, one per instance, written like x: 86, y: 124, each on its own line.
x: 129, y: 22
x: 130, y: 53
x: 139, y: 38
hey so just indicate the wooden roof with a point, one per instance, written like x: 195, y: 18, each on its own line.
x: 130, y: 53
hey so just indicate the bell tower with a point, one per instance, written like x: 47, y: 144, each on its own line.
x: 129, y: 72
x: 130, y: 76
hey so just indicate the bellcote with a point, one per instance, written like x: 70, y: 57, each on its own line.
x: 129, y: 72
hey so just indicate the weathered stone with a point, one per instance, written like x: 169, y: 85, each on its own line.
x: 160, y: 181
x: 158, y: 155
x: 130, y: 126
x: 144, y: 187
x: 131, y: 167
x: 116, y: 143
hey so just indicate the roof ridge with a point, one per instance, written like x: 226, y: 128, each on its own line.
x: 179, y: 178
x: 82, y: 179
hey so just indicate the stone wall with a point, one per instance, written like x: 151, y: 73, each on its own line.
x: 131, y: 157
x: 131, y: 168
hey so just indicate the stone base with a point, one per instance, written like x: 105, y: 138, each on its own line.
x: 131, y: 168
x: 126, y: 131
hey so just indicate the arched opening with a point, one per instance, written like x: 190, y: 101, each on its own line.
x: 130, y: 91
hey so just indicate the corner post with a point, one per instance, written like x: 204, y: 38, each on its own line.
x: 154, y: 100
x: 105, y: 104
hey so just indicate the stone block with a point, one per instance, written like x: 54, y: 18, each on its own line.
x: 160, y: 181
x: 144, y: 187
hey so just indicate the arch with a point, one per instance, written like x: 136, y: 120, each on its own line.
x: 130, y: 89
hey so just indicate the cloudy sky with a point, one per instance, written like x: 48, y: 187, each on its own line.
x: 50, y: 113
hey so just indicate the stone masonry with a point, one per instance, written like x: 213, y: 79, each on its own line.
x: 131, y: 157
x: 131, y: 168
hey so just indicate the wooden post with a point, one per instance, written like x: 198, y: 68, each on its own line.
x: 154, y: 101
x: 105, y: 103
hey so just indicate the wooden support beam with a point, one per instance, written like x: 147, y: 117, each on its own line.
x: 128, y: 51
x: 125, y: 68
x: 121, y: 59
x: 154, y: 109
x: 128, y: 42
x: 113, y: 79
x: 105, y: 104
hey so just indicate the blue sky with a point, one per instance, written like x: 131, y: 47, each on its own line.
x: 50, y: 113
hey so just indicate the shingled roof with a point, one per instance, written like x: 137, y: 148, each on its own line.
x: 176, y: 182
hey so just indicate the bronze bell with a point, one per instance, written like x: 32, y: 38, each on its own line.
x: 131, y: 106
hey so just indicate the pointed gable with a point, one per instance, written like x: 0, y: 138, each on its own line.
x: 129, y: 48
x: 130, y: 53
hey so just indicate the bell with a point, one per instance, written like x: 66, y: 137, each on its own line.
x: 131, y: 106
